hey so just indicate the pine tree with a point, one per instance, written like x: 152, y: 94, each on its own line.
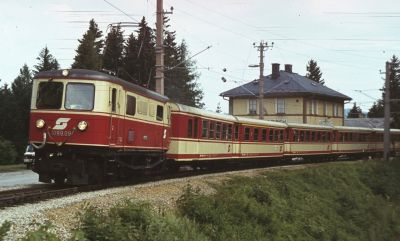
x: 190, y: 92
x: 88, y: 54
x: 129, y: 60
x: 355, y: 112
x: 21, y: 91
x: 113, y: 50
x: 394, y: 85
x: 139, y: 57
x: 377, y: 110
x: 46, y: 61
x: 314, y: 72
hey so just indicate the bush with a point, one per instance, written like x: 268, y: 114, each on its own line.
x: 8, y: 154
x: 330, y: 202
x: 133, y: 221
x: 4, y: 228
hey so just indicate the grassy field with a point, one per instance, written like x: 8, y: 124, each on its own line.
x: 12, y: 168
x: 338, y: 201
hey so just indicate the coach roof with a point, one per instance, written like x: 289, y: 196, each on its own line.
x: 84, y: 74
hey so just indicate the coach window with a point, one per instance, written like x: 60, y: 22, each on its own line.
x: 190, y: 128
x: 301, y: 136
x: 211, y: 131
x: 196, y: 126
x: 270, y: 135
x: 224, y: 132
x: 246, y: 134
x: 160, y: 113
x: 130, y: 105
x: 264, y: 135
x: 113, y: 100
x: 229, y: 132
x: 218, y: 130
x: 204, y: 130
x: 256, y: 131
x: 236, y: 132
x: 295, y: 135
x: 275, y: 135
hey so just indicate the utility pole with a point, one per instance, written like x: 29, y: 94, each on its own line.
x: 261, y: 48
x: 386, y: 136
x: 160, y: 48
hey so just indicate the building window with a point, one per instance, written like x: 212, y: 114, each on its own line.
x: 325, y: 108
x: 335, y: 110
x: 313, y: 107
x: 280, y: 106
x: 252, y: 106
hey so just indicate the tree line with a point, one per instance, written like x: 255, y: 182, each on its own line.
x: 132, y: 59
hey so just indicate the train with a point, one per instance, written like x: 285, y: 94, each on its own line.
x: 91, y: 127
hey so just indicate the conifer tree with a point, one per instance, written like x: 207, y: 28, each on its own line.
x: 21, y: 91
x: 180, y: 75
x: 46, y: 61
x: 377, y: 110
x: 355, y: 112
x: 139, y: 57
x: 88, y: 53
x: 113, y: 50
x: 314, y: 72
x: 129, y: 60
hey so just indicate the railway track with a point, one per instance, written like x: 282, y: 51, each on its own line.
x: 43, y: 192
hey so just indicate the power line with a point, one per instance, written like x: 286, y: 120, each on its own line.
x: 129, y: 16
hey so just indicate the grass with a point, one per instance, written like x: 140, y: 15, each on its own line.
x: 12, y: 168
x: 339, y: 201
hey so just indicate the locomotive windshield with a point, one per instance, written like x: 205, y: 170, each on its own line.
x: 79, y: 96
x: 49, y: 95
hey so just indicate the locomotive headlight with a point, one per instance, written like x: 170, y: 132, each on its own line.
x: 82, y: 125
x: 40, y: 123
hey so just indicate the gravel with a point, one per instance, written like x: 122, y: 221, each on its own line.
x: 62, y: 212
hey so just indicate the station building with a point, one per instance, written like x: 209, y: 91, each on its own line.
x: 288, y: 97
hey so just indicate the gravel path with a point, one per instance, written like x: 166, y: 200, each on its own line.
x: 62, y: 212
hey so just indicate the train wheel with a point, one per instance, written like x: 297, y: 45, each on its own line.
x: 59, y: 180
x: 95, y: 173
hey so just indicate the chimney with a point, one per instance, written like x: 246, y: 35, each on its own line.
x: 275, y: 71
x: 288, y: 68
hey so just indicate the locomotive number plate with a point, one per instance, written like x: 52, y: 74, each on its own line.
x: 61, y: 133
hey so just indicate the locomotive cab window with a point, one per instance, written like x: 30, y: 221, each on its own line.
x: 79, y: 96
x: 160, y: 113
x: 49, y: 95
x: 130, y: 105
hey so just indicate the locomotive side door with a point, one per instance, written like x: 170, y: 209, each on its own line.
x: 115, y: 116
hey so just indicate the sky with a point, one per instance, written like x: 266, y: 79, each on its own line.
x: 350, y: 39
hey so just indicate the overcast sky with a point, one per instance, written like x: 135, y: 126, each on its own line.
x: 350, y: 39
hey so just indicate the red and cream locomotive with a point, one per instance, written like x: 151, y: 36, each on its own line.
x: 88, y: 127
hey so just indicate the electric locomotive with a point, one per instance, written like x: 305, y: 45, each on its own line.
x: 87, y: 125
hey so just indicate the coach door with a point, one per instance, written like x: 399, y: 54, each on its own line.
x: 115, y: 117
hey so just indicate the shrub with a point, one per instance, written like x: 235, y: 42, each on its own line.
x: 4, y: 228
x: 8, y: 154
x: 133, y: 221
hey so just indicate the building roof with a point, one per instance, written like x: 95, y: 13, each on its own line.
x: 364, y: 122
x: 287, y: 84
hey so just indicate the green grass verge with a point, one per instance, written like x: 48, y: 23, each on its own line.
x: 340, y: 201
x: 12, y: 168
